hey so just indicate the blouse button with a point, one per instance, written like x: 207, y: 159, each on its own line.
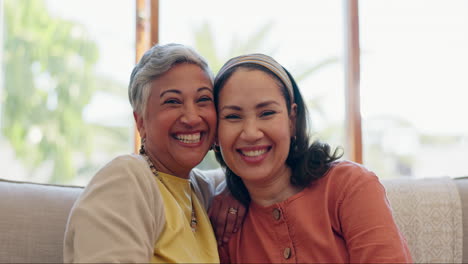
x: 287, y: 253
x: 276, y: 214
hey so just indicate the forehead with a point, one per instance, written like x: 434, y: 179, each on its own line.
x: 250, y: 86
x: 184, y: 77
x: 252, y: 80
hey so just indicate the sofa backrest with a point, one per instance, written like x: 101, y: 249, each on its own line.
x: 32, y: 222
x: 33, y: 218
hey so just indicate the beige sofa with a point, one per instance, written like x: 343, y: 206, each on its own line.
x: 428, y: 211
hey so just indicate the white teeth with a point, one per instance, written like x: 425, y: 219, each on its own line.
x: 189, y: 138
x: 253, y: 153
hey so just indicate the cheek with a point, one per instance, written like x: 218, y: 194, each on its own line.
x: 160, y: 124
x: 226, y: 135
x: 226, y: 140
x: 285, y: 130
x: 283, y: 133
x: 211, y: 118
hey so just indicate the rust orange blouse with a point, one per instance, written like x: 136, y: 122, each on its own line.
x: 343, y: 217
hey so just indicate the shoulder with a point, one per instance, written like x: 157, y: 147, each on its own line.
x: 348, y: 171
x: 125, y: 168
x: 124, y: 176
x: 122, y: 200
x: 345, y: 177
x: 125, y: 184
x: 126, y: 162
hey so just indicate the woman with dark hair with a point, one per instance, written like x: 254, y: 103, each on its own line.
x: 304, y: 206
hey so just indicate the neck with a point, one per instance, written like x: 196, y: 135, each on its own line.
x: 274, y: 191
x: 179, y: 172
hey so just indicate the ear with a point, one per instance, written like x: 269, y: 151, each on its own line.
x: 292, y: 119
x: 140, y: 124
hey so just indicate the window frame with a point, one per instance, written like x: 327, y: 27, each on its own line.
x: 147, y: 34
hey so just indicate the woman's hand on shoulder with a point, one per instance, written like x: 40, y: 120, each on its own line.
x: 226, y: 216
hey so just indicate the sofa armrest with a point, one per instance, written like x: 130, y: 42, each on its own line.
x: 462, y: 185
x: 429, y: 214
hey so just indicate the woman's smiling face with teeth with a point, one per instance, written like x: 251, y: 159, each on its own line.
x: 254, y: 127
x: 180, y: 119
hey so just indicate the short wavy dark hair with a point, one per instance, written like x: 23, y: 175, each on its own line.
x: 308, y: 162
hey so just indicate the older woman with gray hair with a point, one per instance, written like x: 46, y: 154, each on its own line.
x: 151, y: 207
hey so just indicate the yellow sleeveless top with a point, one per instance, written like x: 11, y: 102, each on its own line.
x: 177, y: 242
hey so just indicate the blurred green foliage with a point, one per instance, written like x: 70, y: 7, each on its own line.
x: 49, y: 79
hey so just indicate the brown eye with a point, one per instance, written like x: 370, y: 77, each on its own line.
x: 205, y: 99
x: 231, y: 116
x: 267, y: 113
x: 171, y: 101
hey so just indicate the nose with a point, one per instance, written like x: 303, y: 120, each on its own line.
x: 251, y: 132
x: 190, y: 116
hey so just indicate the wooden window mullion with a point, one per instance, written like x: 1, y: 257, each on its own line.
x: 352, y: 82
x: 146, y: 35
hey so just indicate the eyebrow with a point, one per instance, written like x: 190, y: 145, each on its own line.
x: 179, y: 92
x: 204, y: 88
x: 267, y: 103
x: 258, y: 106
x: 170, y: 91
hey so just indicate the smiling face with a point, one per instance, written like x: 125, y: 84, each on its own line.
x: 180, y: 119
x: 254, y: 127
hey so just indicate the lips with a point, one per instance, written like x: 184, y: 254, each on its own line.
x: 254, y: 154
x: 188, y: 138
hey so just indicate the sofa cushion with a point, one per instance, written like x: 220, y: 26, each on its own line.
x: 33, y: 220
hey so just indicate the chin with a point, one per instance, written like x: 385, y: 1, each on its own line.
x: 191, y: 161
x: 252, y: 175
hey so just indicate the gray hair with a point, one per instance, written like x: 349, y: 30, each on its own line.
x: 154, y: 63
